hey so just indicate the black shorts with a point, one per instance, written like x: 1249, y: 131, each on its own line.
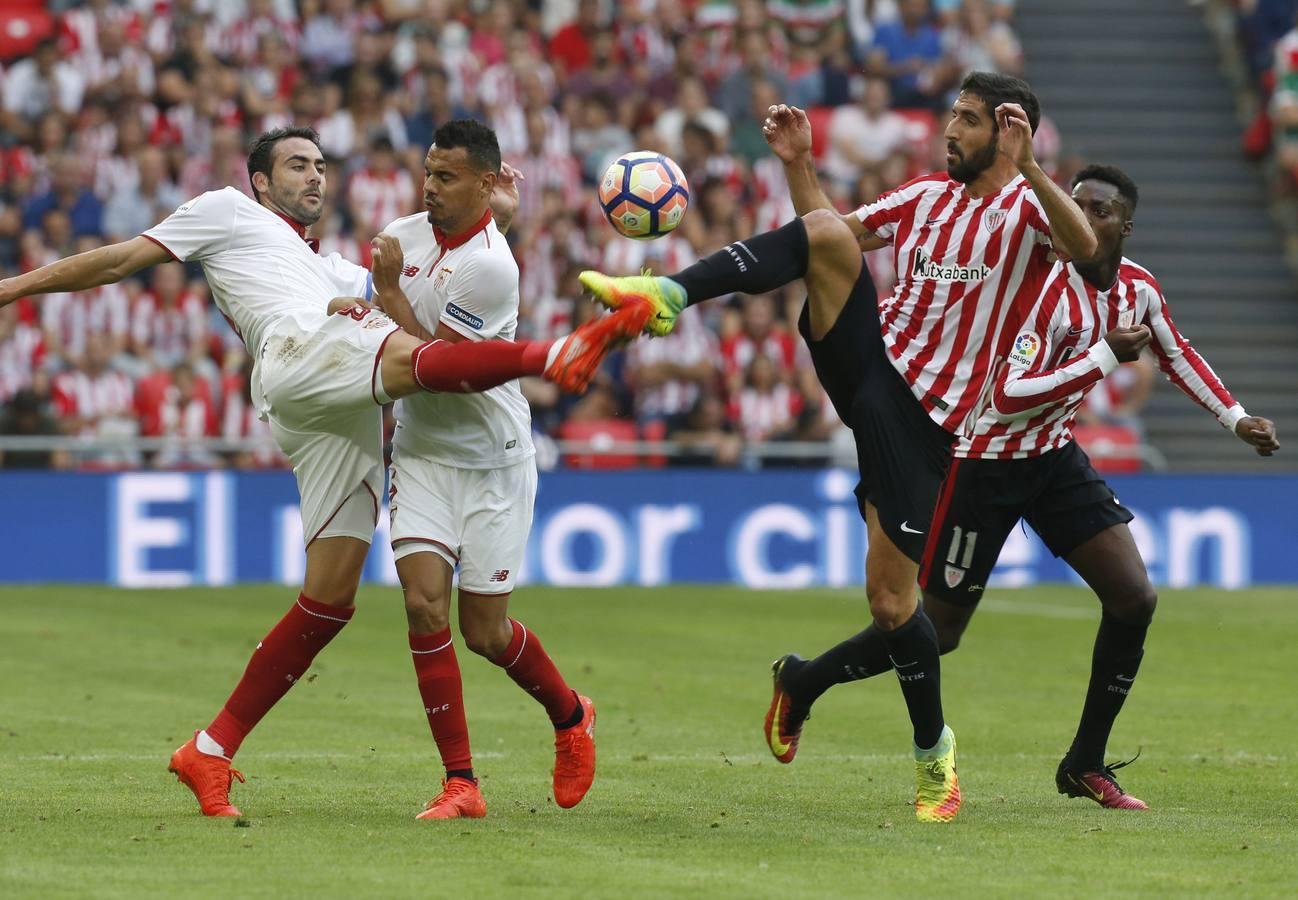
x: 901, y: 452
x: 1058, y: 493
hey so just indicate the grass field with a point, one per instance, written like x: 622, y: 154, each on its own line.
x: 100, y: 685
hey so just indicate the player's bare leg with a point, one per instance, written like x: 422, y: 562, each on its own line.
x: 492, y: 634
x: 426, y: 581
x: 913, y: 648
x: 834, y: 264
x: 1112, y: 566
x: 326, y: 604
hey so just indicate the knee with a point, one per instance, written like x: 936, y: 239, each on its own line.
x: 889, y: 607
x: 488, y: 639
x: 827, y: 233
x: 1134, y: 606
x: 426, y: 612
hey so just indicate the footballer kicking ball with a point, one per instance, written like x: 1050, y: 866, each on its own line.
x: 644, y: 195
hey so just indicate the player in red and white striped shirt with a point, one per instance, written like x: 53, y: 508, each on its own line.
x: 1021, y: 462
x: 906, y: 375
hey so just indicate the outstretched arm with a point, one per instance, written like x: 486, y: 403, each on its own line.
x: 1186, y: 369
x: 1069, y: 231
x: 104, y: 265
x: 788, y: 130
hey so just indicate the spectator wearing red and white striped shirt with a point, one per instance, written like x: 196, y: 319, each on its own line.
x: 68, y: 320
x: 169, y: 322
x: 185, y: 418
x: 22, y: 351
x: 94, y: 400
x: 381, y: 192
x: 669, y: 373
x: 760, y: 335
x: 766, y: 408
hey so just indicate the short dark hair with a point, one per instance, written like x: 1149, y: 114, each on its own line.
x: 993, y: 89
x: 1114, y: 176
x: 479, y: 142
x: 261, y: 153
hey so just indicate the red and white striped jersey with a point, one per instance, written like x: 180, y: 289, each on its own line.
x: 760, y: 414
x: 1059, y: 354
x: 21, y: 353
x: 963, y: 264
x: 70, y: 318
x: 169, y: 331
x: 108, y: 395
x: 378, y: 199
x: 690, y: 343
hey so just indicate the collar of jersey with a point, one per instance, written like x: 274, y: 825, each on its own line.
x: 313, y: 243
x: 451, y: 241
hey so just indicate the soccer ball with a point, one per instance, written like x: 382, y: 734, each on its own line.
x: 644, y: 195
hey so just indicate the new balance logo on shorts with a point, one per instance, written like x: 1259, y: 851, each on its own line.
x: 410, y: 271
x: 499, y: 575
x: 464, y: 316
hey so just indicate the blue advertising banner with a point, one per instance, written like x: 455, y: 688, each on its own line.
x: 774, y: 529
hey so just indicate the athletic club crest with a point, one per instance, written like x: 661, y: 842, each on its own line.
x: 993, y: 219
x: 954, y: 576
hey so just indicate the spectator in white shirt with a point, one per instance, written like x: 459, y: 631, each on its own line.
x: 864, y: 135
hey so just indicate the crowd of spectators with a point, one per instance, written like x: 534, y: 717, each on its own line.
x: 1268, y: 37
x: 129, y: 108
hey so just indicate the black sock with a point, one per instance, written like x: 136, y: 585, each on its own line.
x: 1114, y: 663
x: 466, y: 774
x: 574, y: 717
x: 861, y: 656
x: 755, y: 265
x: 914, y: 651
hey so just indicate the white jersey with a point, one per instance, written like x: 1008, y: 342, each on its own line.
x: 258, y: 265
x: 468, y: 283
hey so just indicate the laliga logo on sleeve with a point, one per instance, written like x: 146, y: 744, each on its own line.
x: 1026, y: 347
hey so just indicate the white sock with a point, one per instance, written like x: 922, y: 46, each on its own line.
x: 553, y: 353
x: 206, y: 745
x: 942, y: 746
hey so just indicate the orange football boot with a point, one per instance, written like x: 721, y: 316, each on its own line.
x: 209, y: 777
x: 459, y: 799
x: 574, y: 754
x: 575, y: 359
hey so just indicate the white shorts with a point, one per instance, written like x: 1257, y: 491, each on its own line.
x: 320, y: 391
x: 476, y: 519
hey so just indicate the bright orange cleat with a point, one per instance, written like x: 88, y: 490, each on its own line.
x: 209, y: 777
x: 574, y: 360
x: 574, y: 755
x: 459, y: 799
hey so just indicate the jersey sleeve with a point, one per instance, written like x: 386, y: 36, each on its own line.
x: 199, y: 228
x: 882, y: 216
x: 482, y: 297
x: 351, y: 279
x: 1035, y: 215
x: 1183, y: 365
x: 1026, y: 386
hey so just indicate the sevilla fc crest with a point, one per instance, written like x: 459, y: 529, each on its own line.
x: 994, y: 219
x: 954, y: 576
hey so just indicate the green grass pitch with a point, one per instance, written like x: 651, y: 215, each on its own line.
x: 100, y: 685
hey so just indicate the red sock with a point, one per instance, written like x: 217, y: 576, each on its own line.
x: 443, y: 694
x: 282, y: 657
x: 526, y: 661
x: 471, y: 366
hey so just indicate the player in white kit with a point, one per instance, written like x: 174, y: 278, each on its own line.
x: 324, y: 365
x: 463, y: 476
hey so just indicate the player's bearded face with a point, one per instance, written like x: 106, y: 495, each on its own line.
x: 966, y: 165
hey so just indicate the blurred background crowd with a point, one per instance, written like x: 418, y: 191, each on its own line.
x: 113, y: 113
